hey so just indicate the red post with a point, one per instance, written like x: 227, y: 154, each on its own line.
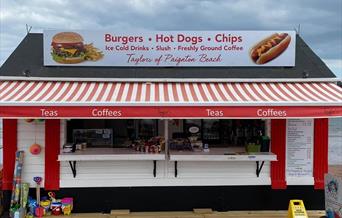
x: 278, y: 147
x: 52, y: 148
x: 10, y: 127
x: 320, y: 166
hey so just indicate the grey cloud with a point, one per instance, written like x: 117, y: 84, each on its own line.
x: 321, y: 21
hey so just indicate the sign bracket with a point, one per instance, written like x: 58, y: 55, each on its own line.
x: 73, y: 167
x: 259, y: 168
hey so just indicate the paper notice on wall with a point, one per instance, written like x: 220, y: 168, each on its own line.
x: 299, y: 145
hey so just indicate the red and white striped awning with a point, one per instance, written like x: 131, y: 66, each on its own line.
x: 169, y: 94
x: 118, y: 93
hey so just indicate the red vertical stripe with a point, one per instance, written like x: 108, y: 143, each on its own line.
x: 166, y: 92
x: 320, y: 151
x: 138, y: 96
x: 174, y: 91
x: 129, y: 92
x: 52, y: 148
x: 156, y: 92
x: 148, y: 92
x: 278, y: 147
x: 10, y: 128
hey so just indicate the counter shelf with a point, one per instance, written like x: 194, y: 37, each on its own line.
x: 222, y: 154
x: 109, y: 154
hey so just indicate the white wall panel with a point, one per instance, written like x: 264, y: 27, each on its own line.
x: 139, y: 173
x: 28, y: 134
x: 305, y: 180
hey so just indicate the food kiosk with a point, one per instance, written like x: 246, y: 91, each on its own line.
x: 170, y: 120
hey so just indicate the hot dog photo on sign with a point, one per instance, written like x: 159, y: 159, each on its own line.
x: 270, y: 48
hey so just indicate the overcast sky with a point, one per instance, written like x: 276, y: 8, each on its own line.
x: 320, y: 20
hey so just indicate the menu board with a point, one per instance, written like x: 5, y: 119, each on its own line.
x: 299, y: 144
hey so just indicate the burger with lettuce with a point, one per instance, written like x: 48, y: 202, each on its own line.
x: 68, y: 48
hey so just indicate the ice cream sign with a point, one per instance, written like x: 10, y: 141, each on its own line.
x: 169, y: 48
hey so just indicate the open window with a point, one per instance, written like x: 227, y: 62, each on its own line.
x: 110, y: 133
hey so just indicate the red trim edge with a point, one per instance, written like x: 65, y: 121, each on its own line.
x: 320, y: 152
x: 111, y: 112
x: 278, y: 147
x: 10, y: 128
x: 52, y: 148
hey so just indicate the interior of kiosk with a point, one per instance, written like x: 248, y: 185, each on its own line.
x: 172, y: 140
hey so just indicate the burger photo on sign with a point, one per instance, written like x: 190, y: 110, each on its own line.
x: 68, y: 48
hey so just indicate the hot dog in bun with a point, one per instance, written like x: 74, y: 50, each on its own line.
x: 270, y: 48
x: 67, y: 48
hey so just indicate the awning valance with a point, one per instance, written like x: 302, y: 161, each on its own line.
x: 165, y: 99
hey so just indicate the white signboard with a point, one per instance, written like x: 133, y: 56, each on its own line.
x: 169, y: 48
x: 299, y: 145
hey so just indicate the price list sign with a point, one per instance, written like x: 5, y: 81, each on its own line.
x: 299, y: 144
